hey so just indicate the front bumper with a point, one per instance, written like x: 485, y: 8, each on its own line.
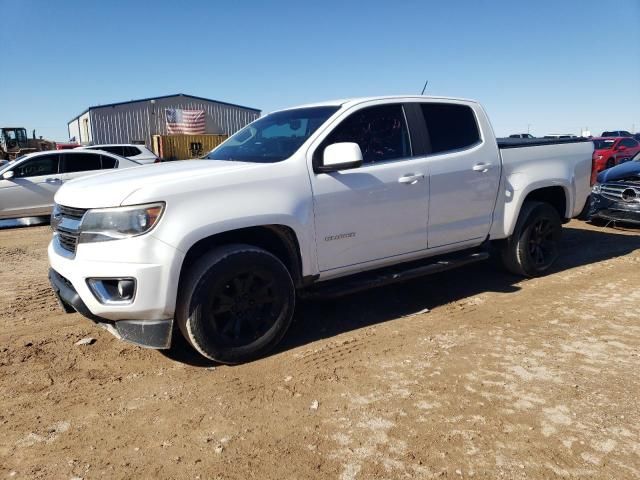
x: 618, y: 211
x: 146, y: 333
x: 148, y: 319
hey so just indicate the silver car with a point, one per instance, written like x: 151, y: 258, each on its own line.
x: 28, y: 184
x: 139, y: 153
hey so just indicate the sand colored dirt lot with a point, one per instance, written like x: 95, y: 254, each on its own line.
x: 499, y: 378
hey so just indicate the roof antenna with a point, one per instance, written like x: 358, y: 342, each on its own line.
x: 425, y: 87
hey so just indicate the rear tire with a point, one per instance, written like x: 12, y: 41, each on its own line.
x: 235, y: 303
x: 610, y: 164
x: 533, y: 247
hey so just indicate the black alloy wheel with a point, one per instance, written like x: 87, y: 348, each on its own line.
x: 243, y: 307
x: 235, y: 303
x: 543, y: 247
x: 534, y: 245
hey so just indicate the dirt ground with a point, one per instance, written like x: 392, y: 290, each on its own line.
x: 499, y: 378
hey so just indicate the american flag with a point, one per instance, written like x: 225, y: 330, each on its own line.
x: 188, y: 122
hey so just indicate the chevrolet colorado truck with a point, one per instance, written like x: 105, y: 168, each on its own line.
x: 321, y: 199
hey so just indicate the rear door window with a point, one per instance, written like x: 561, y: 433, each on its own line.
x: 80, y: 162
x: 44, y: 165
x: 130, y: 151
x: 450, y: 126
x: 116, y: 150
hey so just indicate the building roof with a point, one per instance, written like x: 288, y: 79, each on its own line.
x: 158, y: 98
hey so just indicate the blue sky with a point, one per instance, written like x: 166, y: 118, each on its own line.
x: 557, y: 65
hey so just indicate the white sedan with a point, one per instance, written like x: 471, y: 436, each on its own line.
x: 28, y: 184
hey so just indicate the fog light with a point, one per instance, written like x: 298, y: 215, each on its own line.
x: 126, y: 288
x: 113, y: 291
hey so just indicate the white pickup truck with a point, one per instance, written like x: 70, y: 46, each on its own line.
x: 319, y: 199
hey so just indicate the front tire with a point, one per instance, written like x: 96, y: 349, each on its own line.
x: 533, y: 247
x: 235, y: 303
x: 610, y: 164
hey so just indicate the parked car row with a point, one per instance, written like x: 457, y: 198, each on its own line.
x: 139, y: 153
x: 616, y: 194
x: 28, y: 184
x: 611, y: 151
x: 611, y: 133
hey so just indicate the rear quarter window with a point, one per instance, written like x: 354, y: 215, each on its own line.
x: 115, y: 150
x: 108, y: 162
x: 130, y: 151
x: 450, y: 126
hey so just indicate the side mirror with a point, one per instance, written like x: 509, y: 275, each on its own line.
x: 7, y: 175
x: 621, y: 148
x: 340, y: 156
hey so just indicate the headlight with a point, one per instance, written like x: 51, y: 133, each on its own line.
x: 595, y: 188
x: 101, y: 225
x: 599, y: 157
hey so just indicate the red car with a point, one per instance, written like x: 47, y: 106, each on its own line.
x: 611, y: 151
x: 67, y: 146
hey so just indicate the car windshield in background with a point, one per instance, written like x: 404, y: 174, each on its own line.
x: 602, y: 144
x: 9, y: 165
x: 274, y: 137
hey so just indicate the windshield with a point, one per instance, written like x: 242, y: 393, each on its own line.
x: 274, y: 137
x: 603, y: 144
x: 10, y: 164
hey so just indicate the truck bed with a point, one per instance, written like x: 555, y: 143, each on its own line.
x: 533, y: 142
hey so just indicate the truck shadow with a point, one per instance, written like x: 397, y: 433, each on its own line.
x: 320, y: 319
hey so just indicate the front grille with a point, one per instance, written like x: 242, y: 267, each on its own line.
x: 75, y: 213
x: 68, y: 241
x: 67, y: 222
x: 613, y: 191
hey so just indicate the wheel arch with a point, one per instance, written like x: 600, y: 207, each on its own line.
x: 557, y: 195
x: 279, y: 240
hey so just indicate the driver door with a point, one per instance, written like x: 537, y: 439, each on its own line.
x: 30, y: 192
x: 379, y: 210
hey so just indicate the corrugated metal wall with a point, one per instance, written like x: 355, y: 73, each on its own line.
x: 74, y: 130
x: 139, y: 121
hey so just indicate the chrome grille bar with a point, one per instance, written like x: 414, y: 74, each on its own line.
x: 67, y: 226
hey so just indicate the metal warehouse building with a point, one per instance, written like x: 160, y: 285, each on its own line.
x: 137, y: 121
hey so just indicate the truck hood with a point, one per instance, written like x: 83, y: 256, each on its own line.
x: 624, y: 171
x: 110, y: 189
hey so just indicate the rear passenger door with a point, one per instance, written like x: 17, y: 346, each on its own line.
x: 464, y: 174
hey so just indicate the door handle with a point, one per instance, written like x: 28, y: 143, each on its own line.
x: 481, y: 167
x: 411, y: 178
x: 53, y: 180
